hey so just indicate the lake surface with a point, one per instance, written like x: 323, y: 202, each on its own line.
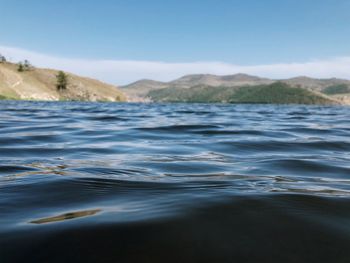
x: 103, y: 182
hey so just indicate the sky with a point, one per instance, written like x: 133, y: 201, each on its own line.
x: 123, y: 41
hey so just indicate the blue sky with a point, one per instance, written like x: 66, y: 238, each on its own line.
x: 245, y: 33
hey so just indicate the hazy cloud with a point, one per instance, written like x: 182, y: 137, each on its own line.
x: 124, y: 71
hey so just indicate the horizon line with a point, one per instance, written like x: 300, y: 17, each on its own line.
x: 125, y: 72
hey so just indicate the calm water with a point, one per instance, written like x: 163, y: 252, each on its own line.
x: 91, y: 182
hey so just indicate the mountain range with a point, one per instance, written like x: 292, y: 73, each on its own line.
x: 210, y: 86
x: 40, y: 84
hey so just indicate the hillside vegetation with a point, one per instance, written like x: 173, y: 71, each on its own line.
x: 243, y: 88
x: 142, y: 87
x: 276, y: 93
x: 337, y: 89
x: 41, y: 84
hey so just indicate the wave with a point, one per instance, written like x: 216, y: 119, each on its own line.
x: 104, y: 182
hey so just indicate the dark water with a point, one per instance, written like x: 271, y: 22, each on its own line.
x: 84, y: 182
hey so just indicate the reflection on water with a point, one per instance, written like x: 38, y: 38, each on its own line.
x: 176, y: 183
x: 66, y: 216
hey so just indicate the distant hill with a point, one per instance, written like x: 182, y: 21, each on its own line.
x: 215, y: 81
x: 334, y: 90
x: 142, y: 87
x: 40, y: 84
x: 275, y: 93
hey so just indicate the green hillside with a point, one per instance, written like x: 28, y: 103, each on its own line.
x: 3, y: 97
x: 336, y: 89
x: 276, y: 93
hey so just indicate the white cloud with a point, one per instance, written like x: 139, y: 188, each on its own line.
x: 126, y: 71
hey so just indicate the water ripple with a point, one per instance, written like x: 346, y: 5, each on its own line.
x: 199, y: 175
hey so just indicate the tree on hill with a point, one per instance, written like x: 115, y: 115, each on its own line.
x: 20, y: 67
x: 2, y: 59
x: 24, y: 66
x: 27, y: 66
x: 61, y: 80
